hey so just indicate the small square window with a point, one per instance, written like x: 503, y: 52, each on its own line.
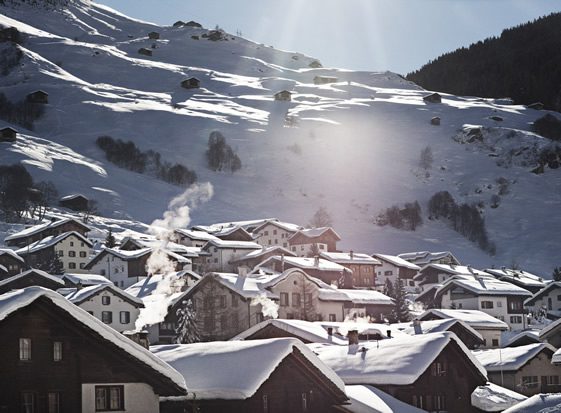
x: 25, y: 349
x: 105, y: 300
x: 109, y: 398
x: 107, y: 317
x: 57, y: 351
x: 125, y: 317
x: 53, y: 399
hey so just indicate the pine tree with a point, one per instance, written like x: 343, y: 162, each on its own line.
x: 388, y: 288
x: 186, y: 329
x: 110, y: 239
x: 557, y: 274
x: 401, y: 310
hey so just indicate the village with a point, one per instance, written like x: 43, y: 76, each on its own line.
x: 261, y: 316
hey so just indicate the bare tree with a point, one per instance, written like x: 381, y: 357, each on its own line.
x: 321, y: 218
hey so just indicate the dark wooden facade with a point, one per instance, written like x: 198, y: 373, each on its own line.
x: 86, y: 358
x: 191, y: 83
x: 144, y: 51
x: 39, y: 96
x: 13, y: 265
x: 450, y: 389
x: 295, y: 386
x: 52, y: 229
x: 239, y: 234
x: 8, y: 135
x: 75, y: 202
x: 30, y: 278
x: 328, y: 237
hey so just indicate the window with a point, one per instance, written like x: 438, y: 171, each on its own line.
x: 71, y: 253
x: 82, y: 265
x: 107, y: 317
x: 222, y: 301
x: 265, y: 403
x: 486, y: 304
x: 274, y: 232
x: 516, y: 319
x: 304, y: 402
x: 25, y: 349
x: 307, y: 299
x: 295, y: 300
x: 102, y: 272
x: 60, y: 253
x: 495, y: 342
x: 109, y: 398
x: 419, y: 401
x: 57, y: 351
x: 72, y: 265
x: 284, y: 299
x: 530, y: 381
x: 124, y: 317
x: 332, y: 317
x: 82, y: 254
x: 167, y: 326
x: 259, y: 317
x: 515, y: 305
x: 289, y: 316
x: 71, y: 243
x: 81, y: 244
x: 269, y: 242
x: 266, y: 233
x: 559, y: 298
x: 439, y: 402
x: 388, y: 273
x: 28, y: 402
x: 438, y: 369
x: 550, y: 380
x: 53, y: 400
x: 106, y: 300
x: 499, y: 304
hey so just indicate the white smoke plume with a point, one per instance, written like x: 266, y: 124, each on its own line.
x: 268, y: 307
x: 159, y: 264
x: 177, y: 216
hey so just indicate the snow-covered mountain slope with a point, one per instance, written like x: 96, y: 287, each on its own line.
x: 354, y: 150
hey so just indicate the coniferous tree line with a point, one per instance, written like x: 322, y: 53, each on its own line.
x: 462, y: 218
x: 406, y: 218
x: 127, y: 155
x: 523, y: 63
x: 23, y: 113
x: 10, y: 56
x: 220, y: 156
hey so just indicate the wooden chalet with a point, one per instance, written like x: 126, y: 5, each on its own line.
x: 75, y: 202
x: 275, y: 375
x: 191, y: 83
x: 8, y: 134
x: 144, y: 51
x: 325, y: 239
x: 30, y: 278
x: 10, y: 263
x: 524, y: 279
x: 433, y: 98
x: 434, y: 372
x: 234, y: 233
x: 38, y: 232
x: 58, y: 358
x: 255, y: 257
x: 39, y: 96
x: 324, y: 80
x: 435, y: 121
x: 153, y: 35
x: 363, y: 266
x: 527, y: 370
x: 469, y: 336
x: 192, y: 23
x: 283, y: 95
x: 274, y: 232
x: 394, y: 268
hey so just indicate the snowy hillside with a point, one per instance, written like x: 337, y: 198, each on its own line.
x: 354, y: 146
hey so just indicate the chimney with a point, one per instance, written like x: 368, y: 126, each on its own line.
x: 352, y: 335
x: 417, y: 326
x: 242, y: 271
x: 329, y: 331
x: 139, y: 337
x: 316, y: 261
x: 352, y: 254
x: 503, y: 268
x: 389, y: 333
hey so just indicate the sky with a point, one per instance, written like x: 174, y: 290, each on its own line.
x: 396, y: 35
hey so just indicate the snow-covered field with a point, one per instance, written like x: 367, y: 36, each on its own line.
x: 358, y: 140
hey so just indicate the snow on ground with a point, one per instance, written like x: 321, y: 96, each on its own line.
x: 353, y: 148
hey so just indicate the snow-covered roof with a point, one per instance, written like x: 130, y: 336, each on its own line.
x: 398, y: 262
x: 196, y: 235
x: 556, y: 358
x: 426, y: 257
x: 51, y: 241
x: 248, y: 287
x: 551, y: 286
x: 436, y: 326
x: 72, y: 196
x: 265, y: 250
x: 508, y: 337
x: 399, y: 361
x: 483, y: 285
x: 318, y: 264
x: 494, y: 398
x: 86, y: 279
x: 247, y: 245
x: 457, y: 269
x: 41, y: 227
x: 160, y: 283
x: 517, y: 276
x: 363, y: 328
x: 40, y: 273
x: 18, y: 299
x: 369, y: 399
x: 287, y: 226
x: 348, y: 258
x: 315, y: 232
x: 244, y: 224
x: 234, y: 370
x: 549, y: 329
x: 83, y: 294
x: 11, y: 253
x: 364, y: 297
x: 475, y: 318
x: 309, y: 331
x: 510, y: 358
x: 154, y: 243
x: 538, y: 403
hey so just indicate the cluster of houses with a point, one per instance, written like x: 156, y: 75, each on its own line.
x: 286, y: 320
